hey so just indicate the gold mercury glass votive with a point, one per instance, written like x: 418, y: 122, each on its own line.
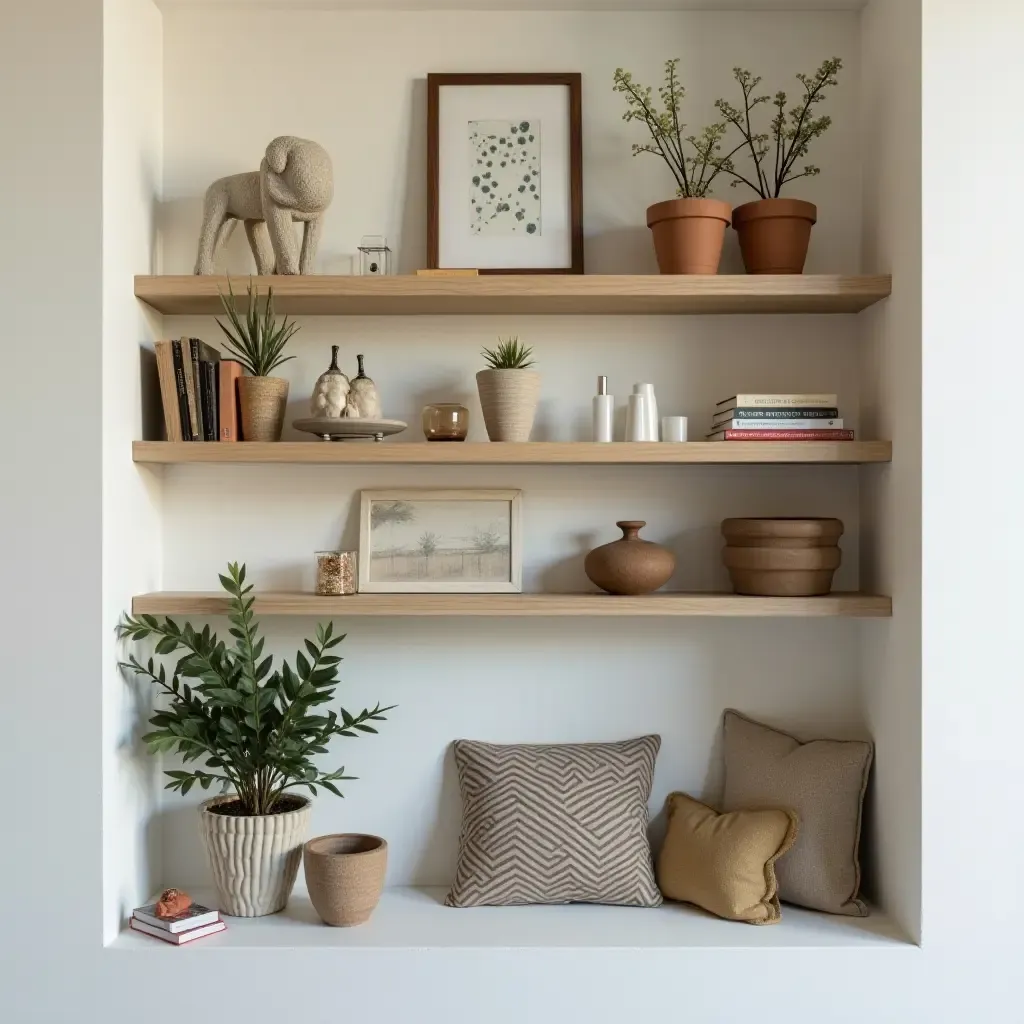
x: 335, y: 573
x: 445, y: 421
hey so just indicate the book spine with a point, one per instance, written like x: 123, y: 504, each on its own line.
x: 195, y: 433
x: 180, y: 387
x: 213, y: 383
x: 229, y: 372
x: 796, y: 400
x: 168, y: 390
x: 787, y: 435
x: 786, y: 413
x: 768, y: 424
x: 195, y: 352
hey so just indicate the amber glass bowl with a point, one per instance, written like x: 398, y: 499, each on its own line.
x: 445, y: 421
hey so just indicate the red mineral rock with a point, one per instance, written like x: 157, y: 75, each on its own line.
x: 173, y: 902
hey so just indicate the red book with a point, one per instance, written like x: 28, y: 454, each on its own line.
x: 781, y: 435
x: 230, y: 423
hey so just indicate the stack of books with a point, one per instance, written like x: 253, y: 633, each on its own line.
x: 778, y: 418
x: 194, y: 923
x: 198, y: 390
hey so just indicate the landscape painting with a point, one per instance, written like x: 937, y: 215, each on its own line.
x: 446, y: 542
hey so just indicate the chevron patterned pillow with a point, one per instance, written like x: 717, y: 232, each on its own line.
x: 555, y: 823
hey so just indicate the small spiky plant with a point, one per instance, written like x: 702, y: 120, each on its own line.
x: 508, y: 354
x: 258, y: 341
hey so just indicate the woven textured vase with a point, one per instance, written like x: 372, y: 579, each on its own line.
x: 782, y: 557
x: 508, y: 399
x: 262, y: 401
x: 254, y: 859
x: 345, y: 876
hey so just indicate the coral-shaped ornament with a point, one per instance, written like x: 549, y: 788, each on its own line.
x: 363, y: 400
x: 331, y: 391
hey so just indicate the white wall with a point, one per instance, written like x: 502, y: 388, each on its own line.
x: 523, y: 681
x: 132, y: 168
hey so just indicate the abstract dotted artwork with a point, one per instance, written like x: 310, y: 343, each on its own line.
x: 504, y: 193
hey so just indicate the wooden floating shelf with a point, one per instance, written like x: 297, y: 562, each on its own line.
x: 533, y: 453
x: 597, y: 294
x: 844, y: 605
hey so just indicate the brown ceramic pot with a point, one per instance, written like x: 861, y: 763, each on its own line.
x: 630, y: 565
x: 774, y: 234
x: 782, y: 557
x: 689, y: 234
x: 345, y: 876
x: 262, y: 402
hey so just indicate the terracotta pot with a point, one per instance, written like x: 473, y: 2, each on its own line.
x: 508, y: 399
x: 630, y: 565
x: 345, y: 876
x: 689, y: 234
x: 262, y: 401
x: 774, y: 234
x: 254, y: 858
x: 782, y: 557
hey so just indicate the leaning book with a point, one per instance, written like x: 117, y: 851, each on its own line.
x: 178, y: 938
x: 194, y: 917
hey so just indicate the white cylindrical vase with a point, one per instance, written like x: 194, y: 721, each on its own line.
x: 673, y: 428
x: 637, y: 422
x: 254, y: 858
x: 651, y: 430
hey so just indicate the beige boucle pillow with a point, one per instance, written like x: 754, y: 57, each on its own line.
x: 823, y: 781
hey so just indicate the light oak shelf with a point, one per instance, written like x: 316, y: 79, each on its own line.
x: 533, y: 453
x: 598, y: 294
x: 842, y: 605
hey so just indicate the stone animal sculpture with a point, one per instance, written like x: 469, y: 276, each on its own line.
x: 295, y: 182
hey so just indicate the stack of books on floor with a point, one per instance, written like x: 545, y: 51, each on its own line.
x: 194, y: 923
x: 795, y: 417
x: 198, y: 391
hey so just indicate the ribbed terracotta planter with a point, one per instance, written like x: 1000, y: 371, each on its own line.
x: 630, y: 565
x: 782, y: 557
x: 262, y: 401
x: 345, y: 876
x: 254, y: 859
x: 508, y: 399
x: 689, y: 234
x: 774, y: 234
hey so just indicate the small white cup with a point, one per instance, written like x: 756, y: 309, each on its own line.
x: 673, y: 428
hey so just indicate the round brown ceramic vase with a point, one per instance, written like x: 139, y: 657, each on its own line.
x: 688, y: 234
x: 774, y: 234
x: 262, y: 401
x: 630, y: 565
x: 508, y: 399
x: 782, y: 557
x: 345, y: 876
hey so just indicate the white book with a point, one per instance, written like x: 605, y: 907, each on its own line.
x: 796, y: 400
x: 733, y: 424
x: 177, y: 938
x: 195, y: 917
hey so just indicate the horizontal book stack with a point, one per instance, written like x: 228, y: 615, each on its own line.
x: 198, y: 391
x: 797, y: 417
x: 194, y: 923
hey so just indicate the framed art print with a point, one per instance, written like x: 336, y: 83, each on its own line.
x: 414, y: 541
x: 504, y: 173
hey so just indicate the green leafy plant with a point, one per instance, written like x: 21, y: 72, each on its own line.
x: 791, y: 132
x: 257, y: 729
x: 694, y: 172
x: 258, y: 341
x: 508, y: 354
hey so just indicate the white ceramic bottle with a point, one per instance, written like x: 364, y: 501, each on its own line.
x: 637, y: 425
x: 651, y: 424
x: 604, y: 411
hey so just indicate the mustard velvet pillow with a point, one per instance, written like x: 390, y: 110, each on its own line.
x: 724, y: 863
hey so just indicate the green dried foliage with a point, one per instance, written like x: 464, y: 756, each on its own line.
x: 258, y: 341
x: 509, y: 354
x: 694, y: 172
x: 257, y: 729
x: 790, y: 133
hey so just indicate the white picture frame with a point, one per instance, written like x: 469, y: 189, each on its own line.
x: 410, y: 543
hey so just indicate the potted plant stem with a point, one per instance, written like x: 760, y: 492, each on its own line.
x: 259, y: 733
x: 688, y: 231
x: 774, y: 233
x: 258, y: 343
x: 509, y: 391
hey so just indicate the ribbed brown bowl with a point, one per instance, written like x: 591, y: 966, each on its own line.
x: 345, y: 875
x: 782, y: 557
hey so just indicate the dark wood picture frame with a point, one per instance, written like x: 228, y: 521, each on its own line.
x: 573, y: 81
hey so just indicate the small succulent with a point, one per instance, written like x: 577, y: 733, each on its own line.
x: 509, y: 354
x: 257, y: 343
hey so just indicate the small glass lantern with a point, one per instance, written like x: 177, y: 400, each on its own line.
x: 374, y: 256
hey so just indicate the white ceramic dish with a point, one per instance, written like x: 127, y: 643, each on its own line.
x: 342, y: 429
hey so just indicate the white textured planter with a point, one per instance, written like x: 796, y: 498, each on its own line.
x: 508, y: 399
x: 254, y: 859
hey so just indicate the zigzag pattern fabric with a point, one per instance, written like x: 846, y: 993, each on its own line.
x: 555, y: 823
